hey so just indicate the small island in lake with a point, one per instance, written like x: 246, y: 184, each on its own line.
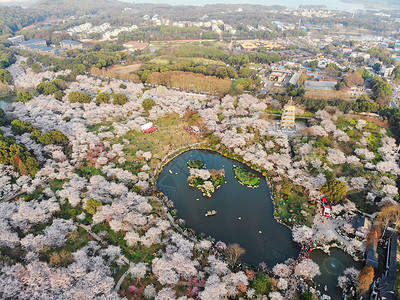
x: 196, y: 164
x: 207, y: 181
x: 246, y: 178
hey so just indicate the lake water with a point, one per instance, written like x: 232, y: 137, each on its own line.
x: 232, y: 200
x: 6, y: 101
x: 332, y: 266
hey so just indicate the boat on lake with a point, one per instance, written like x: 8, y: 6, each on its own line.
x: 211, y: 213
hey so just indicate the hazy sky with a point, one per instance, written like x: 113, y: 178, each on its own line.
x: 337, y: 4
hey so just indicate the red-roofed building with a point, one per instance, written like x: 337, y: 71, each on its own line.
x: 135, y: 45
x: 148, y: 128
x: 327, y: 211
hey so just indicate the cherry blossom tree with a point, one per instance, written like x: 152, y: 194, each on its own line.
x: 302, y: 234
x: 307, y: 269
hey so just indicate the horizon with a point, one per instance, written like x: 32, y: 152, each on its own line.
x: 333, y: 4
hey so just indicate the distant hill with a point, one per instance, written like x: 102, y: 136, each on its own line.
x: 377, y: 4
x: 78, y: 7
x: 22, y: 3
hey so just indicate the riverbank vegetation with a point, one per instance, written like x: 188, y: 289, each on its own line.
x: 246, y: 178
x: 196, y: 164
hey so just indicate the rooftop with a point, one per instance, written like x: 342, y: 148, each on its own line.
x: 70, y: 42
x: 32, y: 42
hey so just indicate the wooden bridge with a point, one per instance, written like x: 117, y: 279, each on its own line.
x: 305, y: 252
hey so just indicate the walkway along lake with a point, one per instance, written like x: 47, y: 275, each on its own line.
x: 242, y: 212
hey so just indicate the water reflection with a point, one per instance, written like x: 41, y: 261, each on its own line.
x: 6, y: 101
x: 332, y: 266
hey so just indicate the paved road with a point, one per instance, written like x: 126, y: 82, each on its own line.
x: 323, y: 224
x: 266, y: 88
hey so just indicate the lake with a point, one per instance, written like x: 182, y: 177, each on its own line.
x: 6, y: 101
x: 331, y: 268
x: 254, y: 206
x: 232, y: 201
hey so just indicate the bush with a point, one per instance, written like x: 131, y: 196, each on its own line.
x: 80, y: 97
x: 262, y: 284
x: 47, y: 88
x: 92, y: 205
x: 103, y: 98
x: 148, y: 104
x: 23, y: 96
x: 120, y: 99
x: 20, y: 127
x: 59, y: 137
x: 59, y: 95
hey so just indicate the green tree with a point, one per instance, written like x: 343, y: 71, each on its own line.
x: 103, y: 98
x: 36, y: 68
x: 32, y: 165
x: 314, y: 65
x: 380, y: 88
x: 23, y: 96
x: 366, y: 74
x: 5, y: 76
x: 396, y: 74
x: 120, y: 99
x: 45, y: 138
x: 336, y: 190
x: 74, y: 97
x: 59, y: 95
x: 46, y: 88
x: 148, y: 104
x: 2, y: 114
x: 78, y: 69
x: 92, y: 206
x: 58, y: 136
x: 262, y: 284
x: 20, y: 127
x: 61, y: 83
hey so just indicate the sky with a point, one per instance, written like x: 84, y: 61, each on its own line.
x: 337, y: 4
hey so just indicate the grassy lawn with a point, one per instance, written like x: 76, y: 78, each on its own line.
x: 327, y: 95
x: 171, y: 134
x: 119, y: 69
